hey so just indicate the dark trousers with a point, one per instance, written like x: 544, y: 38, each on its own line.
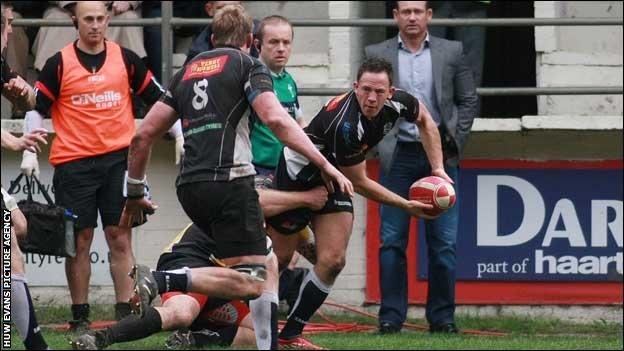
x: 411, y: 164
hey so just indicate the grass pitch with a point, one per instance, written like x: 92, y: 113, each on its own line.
x: 523, y: 333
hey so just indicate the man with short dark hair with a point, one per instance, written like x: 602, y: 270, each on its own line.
x: 434, y: 70
x: 344, y: 130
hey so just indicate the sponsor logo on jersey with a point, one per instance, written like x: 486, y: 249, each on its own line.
x: 205, y: 67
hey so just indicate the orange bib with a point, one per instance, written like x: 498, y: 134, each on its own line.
x: 93, y: 112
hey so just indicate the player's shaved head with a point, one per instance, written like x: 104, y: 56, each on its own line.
x: 83, y: 6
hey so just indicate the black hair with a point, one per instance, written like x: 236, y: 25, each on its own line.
x: 375, y: 65
x: 427, y: 5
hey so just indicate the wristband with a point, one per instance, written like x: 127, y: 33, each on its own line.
x: 136, y: 181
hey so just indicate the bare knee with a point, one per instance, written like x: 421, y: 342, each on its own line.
x: 333, y: 265
x: 178, y: 315
x: 283, y: 260
x: 183, y: 318
x: 118, y: 240
x: 83, y: 242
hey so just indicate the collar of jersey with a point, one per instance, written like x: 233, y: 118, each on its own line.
x: 278, y: 75
x: 228, y: 46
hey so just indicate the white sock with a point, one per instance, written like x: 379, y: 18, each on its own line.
x: 264, y: 317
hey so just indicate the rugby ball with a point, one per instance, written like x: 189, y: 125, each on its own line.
x: 435, y: 191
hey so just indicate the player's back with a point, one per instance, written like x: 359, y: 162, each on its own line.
x: 211, y: 95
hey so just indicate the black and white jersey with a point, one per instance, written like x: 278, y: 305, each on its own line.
x: 343, y: 135
x: 212, y: 95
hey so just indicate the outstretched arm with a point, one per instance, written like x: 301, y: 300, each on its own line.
x: 29, y: 141
x: 376, y: 192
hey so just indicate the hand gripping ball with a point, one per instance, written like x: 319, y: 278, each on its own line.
x: 435, y: 191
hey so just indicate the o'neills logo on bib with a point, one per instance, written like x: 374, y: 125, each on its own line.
x: 105, y: 100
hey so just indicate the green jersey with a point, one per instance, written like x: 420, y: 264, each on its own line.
x: 266, y: 148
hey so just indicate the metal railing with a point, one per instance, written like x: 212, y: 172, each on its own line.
x: 493, y: 91
x: 167, y: 21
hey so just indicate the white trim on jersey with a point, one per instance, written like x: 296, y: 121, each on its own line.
x: 242, y: 148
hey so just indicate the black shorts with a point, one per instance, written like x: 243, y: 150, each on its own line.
x: 176, y: 260
x: 229, y: 212
x: 92, y: 184
x: 191, y: 249
x: 293, y: 221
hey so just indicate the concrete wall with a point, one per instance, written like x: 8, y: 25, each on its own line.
x: 579, y: 56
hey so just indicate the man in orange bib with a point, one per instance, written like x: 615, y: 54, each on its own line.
x: 87, y: 89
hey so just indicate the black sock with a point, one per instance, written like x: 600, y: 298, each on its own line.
x: 122, y: 310
x: 130, y: 328
x: 311, y: 297
x: 171, y: 280
x: 80, y: 311
x: 285, y: 279
x: 227, y: 335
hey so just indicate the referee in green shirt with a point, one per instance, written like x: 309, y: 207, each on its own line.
x: 274, y: 41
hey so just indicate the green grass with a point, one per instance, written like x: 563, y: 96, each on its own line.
x: 523, y: 333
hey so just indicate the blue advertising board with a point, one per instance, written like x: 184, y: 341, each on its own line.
x: 543, y: 222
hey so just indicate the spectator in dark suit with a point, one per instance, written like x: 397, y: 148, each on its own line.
x: 433, y: 70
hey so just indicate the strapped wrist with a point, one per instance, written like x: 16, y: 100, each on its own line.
x: 135, y: 191
x: 133, y: 181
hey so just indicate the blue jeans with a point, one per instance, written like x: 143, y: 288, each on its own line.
x: 410, y: 164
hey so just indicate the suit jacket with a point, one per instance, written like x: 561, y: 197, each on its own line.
x: 455, y: 92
